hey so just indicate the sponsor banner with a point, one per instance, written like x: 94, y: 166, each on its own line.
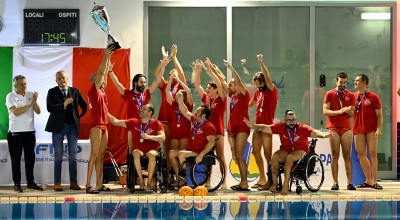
x: 44, y: 164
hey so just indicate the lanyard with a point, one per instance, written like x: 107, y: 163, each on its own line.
x: 179, y: 118
x: 171, y: 91
x: 142, y: 131
x: 290, y: 136
x: 359, y: 103
x: 340, y: 101
x: 195, y: 128
x: 139, y: 101
x: 104, y: 95
x: 209, y: 105
x: 234, y: 99
x: 262, y: 102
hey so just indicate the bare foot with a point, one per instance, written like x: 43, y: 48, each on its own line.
x: 273, y: 188
x: 284, y: 190
x: 266, y: 186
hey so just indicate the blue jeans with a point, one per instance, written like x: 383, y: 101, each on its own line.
x: 72, y: 137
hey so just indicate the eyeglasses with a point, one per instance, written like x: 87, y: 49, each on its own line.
x: 291, y: 120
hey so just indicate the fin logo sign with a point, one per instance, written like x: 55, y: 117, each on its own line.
x: 252, y: 170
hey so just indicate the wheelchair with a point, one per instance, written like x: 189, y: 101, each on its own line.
x: 160, y: 174
x: 309, y: 169
x: 210, y: 171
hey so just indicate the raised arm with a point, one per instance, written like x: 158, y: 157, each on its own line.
x: 221, y: 78
x: 157, y: 81
x: 319, y: 134
x: 221, y: 92
x: 116, y: 122
x: 188, y: 92
x: 157, y: 71
x: 115, y: 81
x: 265, y: 72
x: 102, y: 72
x: 198, y: 65
x: 178, y: 66
x: 182, y: 107
x: 168, y: 87
x: 245, y: 70
x: 258, y: 127
x: 238, y: 81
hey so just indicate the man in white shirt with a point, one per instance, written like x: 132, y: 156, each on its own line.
x: 21, y: 105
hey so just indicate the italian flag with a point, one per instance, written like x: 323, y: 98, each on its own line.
x: 40, y: 64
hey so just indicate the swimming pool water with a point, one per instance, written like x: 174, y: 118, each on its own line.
x: 314, y: 209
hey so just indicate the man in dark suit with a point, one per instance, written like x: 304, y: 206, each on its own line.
x: 62, y: 103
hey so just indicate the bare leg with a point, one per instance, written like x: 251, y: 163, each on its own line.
x: 360, y: 141
x: 183, y: 143
x: 95, y: 138
x: 174, y: 144
x: 290, y: 159
x: 257, y: 144
x: 130, y: 143
x: 137, y: 154
x: 173, y: 158
x: 183, y: 154
x: 151, y: 167
x: 100, y: 160
x: 219, y: 148
x: 241, y: 140
x: 267, y: 144
x: 278, y: 157
x: 373, y: 155
x: 346, y: 141
x: 334, y: 141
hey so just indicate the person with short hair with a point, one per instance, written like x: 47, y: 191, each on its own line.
x: 238, y: 132
x: 147, y: 133
x: 367, y: 128
x: 339, y: 107
x: 266, y: 98
x: 22, y: 105
x: 294, y: 142
x: 202, y: 138
x: 98, y: 133
x: 64, y: 120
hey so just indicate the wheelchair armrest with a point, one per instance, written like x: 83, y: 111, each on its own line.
x: 313, y: 144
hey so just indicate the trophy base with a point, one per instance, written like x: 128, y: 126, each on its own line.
x: 112, y: 42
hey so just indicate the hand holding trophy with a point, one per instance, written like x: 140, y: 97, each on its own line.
x: 100, y: 17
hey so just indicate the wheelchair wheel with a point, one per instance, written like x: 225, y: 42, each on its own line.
x: 210, y: 169
x: 182, y: 173
x: 314, y: 173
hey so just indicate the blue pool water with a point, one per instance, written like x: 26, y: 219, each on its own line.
x: 205, y: 210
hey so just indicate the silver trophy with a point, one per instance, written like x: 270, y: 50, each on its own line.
x: 100, y: 17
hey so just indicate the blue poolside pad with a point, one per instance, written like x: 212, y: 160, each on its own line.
x: 200, y: 209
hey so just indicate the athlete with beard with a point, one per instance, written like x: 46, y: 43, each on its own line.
x: 294, y: 142
x: 215, y: 99
x: 238, y: 132
x: 266, y: 98
x: 339, y: 107
x: 139, y: 95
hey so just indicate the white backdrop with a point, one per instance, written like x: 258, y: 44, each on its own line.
x: 44, y: 165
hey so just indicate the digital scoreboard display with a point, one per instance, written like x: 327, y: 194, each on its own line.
x: 51, y: 27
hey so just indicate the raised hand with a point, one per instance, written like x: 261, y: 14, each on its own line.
x: 165, y: 54
x: 227, y: 64
x: 174, y: 50
x: 198, y: 65
x: 260, y: 57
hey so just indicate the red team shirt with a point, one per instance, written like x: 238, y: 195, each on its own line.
x: 133, y: 124
x: 303, y: 132
x: 239, y: 109
x: 365, y: 120
x: 184, y: 130
x: 343, y: 120
x: 165, y: 113
x: 97, y: 101
x: 200, y: 138
x: 133, y: 104
x: 218, y: 108
x: 268, y: 101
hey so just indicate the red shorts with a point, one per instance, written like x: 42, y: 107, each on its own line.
x: 236, y: 130
x: 340, y: 131
x: 102, y: 127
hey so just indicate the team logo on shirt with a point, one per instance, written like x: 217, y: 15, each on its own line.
x: 367, y: 102
x: 295, y: 138
x: 347, y: 98
x: 234, y: 101
x: 213, y: 105
x: 199, y: 131
x: 149, y: 131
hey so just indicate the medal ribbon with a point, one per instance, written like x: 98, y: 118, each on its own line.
x: 290, y: 136
x: 234, y: 99
x: 340, y: 101
x: 139, y: 100
x: 142, y: 131
x: 359, y: 103
x: 195, y: 128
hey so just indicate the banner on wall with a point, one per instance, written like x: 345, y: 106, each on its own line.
x: 40, y: 64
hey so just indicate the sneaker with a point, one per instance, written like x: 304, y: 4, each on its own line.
x: 17, y: 187
x: 57, y: 187
x: 74, y: 186
x: 335, y: 187
x: 33, y: 186
x: 351, y: 187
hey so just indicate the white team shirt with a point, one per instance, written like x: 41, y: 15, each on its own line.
x: 24, y: 121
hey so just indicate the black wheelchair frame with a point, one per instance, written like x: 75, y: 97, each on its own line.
x: 160, y: 174
x: 309, y: 169
x: 210, y: 169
